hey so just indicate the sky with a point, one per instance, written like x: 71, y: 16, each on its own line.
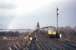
x: 23, y: 14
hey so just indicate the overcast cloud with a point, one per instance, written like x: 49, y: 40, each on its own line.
x: 7, y: 12
x: 26, y: 13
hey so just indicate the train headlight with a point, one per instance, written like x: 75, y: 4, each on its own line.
x: 30, y: 38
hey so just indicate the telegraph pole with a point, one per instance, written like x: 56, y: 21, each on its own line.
x: 57, y: 14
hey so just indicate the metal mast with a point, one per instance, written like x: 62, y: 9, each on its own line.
x: 57, y: 14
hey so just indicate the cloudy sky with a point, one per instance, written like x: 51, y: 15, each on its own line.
x: 26, y: 13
